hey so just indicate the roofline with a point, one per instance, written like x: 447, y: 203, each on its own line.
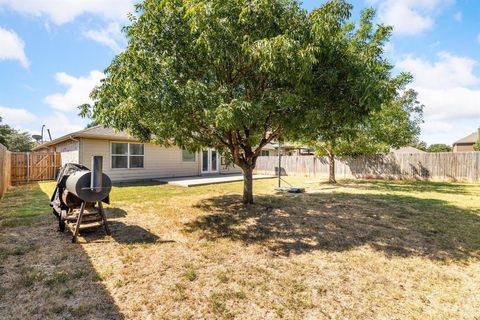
x: 54, y: 142
x: 81, y: 134
x: 464, y: 143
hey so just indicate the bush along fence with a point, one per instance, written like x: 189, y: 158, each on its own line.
x: 443, y: 166
x: 5, y: 169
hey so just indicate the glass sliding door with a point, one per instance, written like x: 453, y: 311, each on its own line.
x: 205, y: 161
x: 214, y: 162
x: 209, y: 161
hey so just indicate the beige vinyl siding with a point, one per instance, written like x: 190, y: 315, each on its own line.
x: 272, y: 152
x: 158, y: 162
x: 463, y: 148
x: 69, y: 151
x: 230, y: 169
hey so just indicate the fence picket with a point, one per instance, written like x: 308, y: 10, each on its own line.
x: 34, y: 166
x: 461, y: 166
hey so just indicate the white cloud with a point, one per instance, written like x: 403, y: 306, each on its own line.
x: 447, y: 72
x: 448, y: 87
x: 78, y: 90
x: 450, y: 104
x: 12, y: 47
x: 15, y: 116
x: 458, y: 16
x: 409, y: 17
x: 63, y: 11
x: 111, y: 36
x: 60, y: 124
x: 433, y: 126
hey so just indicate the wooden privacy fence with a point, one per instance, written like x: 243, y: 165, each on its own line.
x: 4, y: 169
x: 34, y: 166
x: 442, y: 166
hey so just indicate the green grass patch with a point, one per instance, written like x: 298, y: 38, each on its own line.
x: 23, y: 205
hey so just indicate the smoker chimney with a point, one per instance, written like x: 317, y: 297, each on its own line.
x: 96, y: 175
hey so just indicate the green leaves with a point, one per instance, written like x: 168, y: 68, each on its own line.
x: 237, y: 74
x: 13, y: 139
x: 198, y: 72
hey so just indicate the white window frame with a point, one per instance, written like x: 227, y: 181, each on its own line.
x: 264, y: 153
x: 128, y: 155
x: 209, y: 161
x: 194, y: 157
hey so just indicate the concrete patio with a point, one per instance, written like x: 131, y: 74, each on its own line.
x: 204, y: 180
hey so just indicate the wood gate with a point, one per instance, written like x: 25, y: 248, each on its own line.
x: 34, y: 166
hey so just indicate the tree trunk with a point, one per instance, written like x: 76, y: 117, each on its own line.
x: 331, y: 168
x: 247, y: 185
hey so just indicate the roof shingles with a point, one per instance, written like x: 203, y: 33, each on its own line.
x: 96, y: 132
x: 470, y: 139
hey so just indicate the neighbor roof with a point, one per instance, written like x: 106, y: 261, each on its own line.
x: 470, y: 139
x: 96, y: 132
x: 407, y: 150
x: 274, y: 146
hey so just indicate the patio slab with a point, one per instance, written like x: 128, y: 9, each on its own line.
x: 204, y: 180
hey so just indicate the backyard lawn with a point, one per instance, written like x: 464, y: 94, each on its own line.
x: 357, y: 250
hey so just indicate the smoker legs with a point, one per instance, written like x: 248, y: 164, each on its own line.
x: 104, y: 218
x: 100, y: 212
x: 79, y: 222
x: 61, y: 225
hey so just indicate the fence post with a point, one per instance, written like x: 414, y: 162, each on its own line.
x: 28, y: 166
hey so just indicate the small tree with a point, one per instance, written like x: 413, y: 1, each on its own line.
x: 420, y: 145
x: 351, y: 81
x: 476, y: 146
x: 395, y: 125
x: 15, y: 140
x: 439, y: 147
x: 5, y: 132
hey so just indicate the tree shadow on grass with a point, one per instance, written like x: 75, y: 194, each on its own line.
x: 410, y: 186
x: 295, y: 224
x: 42, y: 274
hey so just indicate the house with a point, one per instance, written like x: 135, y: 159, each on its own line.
x: 271, y: 149
x: 466, y: 143
x: 125, y: 158
x: 406, y: 150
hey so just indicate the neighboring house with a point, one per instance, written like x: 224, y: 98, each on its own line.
x: 466, y: 143
x: 126, y: 158
x: 271, y: 149
x: 406, y: 150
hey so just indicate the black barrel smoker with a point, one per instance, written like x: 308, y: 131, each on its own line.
x: 78, y: 196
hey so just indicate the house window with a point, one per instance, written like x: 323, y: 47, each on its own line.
x: 127, y: 155
x: 136, y: 154
x: 188, y: 156
x: 264, y: 153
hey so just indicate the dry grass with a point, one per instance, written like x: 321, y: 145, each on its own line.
x: 358, y: 250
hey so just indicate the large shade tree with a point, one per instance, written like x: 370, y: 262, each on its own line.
x: 220, y: 74
x: 235, y: 74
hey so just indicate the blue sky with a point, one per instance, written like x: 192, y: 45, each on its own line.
x: 53, y: 52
